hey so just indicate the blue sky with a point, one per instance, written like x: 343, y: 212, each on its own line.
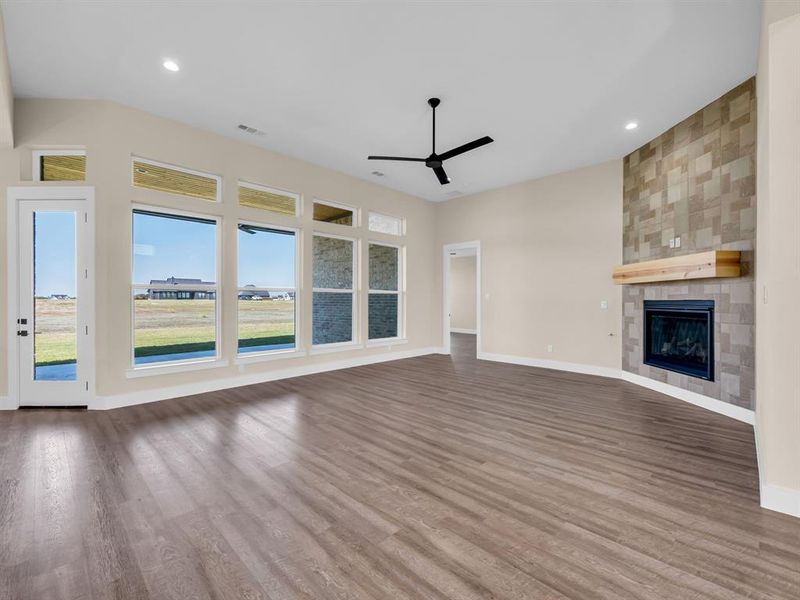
x: 54, y: 271
x: 165, y: 247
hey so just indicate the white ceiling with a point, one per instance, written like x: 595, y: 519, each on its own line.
x: 553, y: 83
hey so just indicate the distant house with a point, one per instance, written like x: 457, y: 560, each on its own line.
x: 161, y: 294
x: 59, y: 297
x: 254, y: 295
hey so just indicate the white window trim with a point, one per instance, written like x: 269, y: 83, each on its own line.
x: 247, y: 357
x: 269, y: 355
x: 298, y: 198
x: 400, y: 292
x: 37, y: 159
x: 179, y: 365
x: 156, y: 163
x: 354, y: 209
x: 354, y: 291
x: 166, y: 368
x: 383, y: 214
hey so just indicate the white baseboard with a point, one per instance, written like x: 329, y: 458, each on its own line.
x: 551, y: 364
x: 177, y: 391
x: 780, y: 499
x: 459, y: 330
x: 718, y: 406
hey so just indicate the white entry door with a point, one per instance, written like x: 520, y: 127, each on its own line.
x: 53, y: 326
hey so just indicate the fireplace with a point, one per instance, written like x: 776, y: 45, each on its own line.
x: 679, y: 336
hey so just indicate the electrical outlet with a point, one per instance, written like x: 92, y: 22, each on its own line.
x: 672, y: 242
x: 549, y: 347
x: 677, y: 242
x: 604, y: 304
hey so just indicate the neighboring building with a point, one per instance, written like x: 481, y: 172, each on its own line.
x: 159, y: 294
x: 59, y: 297
x: 254, y: 295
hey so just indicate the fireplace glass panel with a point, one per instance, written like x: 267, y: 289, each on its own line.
x: 679, y: 336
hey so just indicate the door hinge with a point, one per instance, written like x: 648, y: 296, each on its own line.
x: 87, y: 386
x: 85, y: 217
x: 87, y: 330
x: 86, y: 273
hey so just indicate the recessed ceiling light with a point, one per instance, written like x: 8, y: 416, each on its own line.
x: 171, y: 65
x: 631, y: 125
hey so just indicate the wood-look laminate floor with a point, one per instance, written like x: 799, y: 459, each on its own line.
x: 427, y: 478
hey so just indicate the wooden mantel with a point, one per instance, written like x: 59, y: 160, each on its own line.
x: 704, y: 265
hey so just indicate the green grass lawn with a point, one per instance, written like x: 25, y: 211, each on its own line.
x: 165, y: 327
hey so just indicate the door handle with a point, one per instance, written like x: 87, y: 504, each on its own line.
x: 23, y: 333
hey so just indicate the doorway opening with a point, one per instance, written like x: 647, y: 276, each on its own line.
x: 462, y: 298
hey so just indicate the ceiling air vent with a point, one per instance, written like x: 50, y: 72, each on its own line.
x: 250, y: 130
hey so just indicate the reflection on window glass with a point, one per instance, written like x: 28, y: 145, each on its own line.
x: 383, y: 266
x: 332, y: 214
x: 266, y: 289
x: 174, y: 287
x: 54, y: 326
x: 383, y: 312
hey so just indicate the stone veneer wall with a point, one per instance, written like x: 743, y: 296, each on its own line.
x: 697, y: 181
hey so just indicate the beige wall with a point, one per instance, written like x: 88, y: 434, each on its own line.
x: 548, y: 248
x: 6, y: 94
x: 778, y: 257
x: 111, y: 133
x: 463, y: 301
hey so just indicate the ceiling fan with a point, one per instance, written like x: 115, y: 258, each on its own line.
x: 434, y: 161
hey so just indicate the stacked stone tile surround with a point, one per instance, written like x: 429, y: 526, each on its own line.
x: 697, y: 181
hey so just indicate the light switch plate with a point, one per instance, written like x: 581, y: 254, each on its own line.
x: 672, y: 242
x: 604, y: 304
x: 677, y: 242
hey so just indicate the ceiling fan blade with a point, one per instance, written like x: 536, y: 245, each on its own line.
x: 466, y: 147
x: 441, y: 175
x: 406, y: 158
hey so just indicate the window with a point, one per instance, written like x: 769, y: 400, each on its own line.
x: 59, y: 165
x: 175, y: 180
x: 385, y: 224
x: 264, y: 198
x: 333, y: 302
x: 174, y: 287
x: 384, y: 292
x: 267, y: 289
x: 334, y: 213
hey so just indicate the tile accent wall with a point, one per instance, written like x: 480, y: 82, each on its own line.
x: 697, y: 181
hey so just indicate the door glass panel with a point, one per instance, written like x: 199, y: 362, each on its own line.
x: 55, y: 324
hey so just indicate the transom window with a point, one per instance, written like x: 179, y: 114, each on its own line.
x: 329, y: 212
x: 267, y: 292
x: 333, y: 303
x: 59, y: 165
x: 265, y: 198
x: 174, y: 287
x: 385, y: 296
x: 381, y: 223
x: 176, y: 180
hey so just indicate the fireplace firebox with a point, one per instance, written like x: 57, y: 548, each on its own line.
x: 679, y: 336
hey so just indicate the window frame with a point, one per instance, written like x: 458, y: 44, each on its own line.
x: 401, y: 293
x: 382, y: 214
x: 297, y: 289
x: 354, y: 291
x: 37, y: 155
x: 298, y: 198
x: 149, y: 161
x: 180, y: 364
x: 353, y: 209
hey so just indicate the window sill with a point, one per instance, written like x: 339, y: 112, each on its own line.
x: 176, y: 367
x: 336, y: 347
x: 395, y: 341
x: 257, y: 357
